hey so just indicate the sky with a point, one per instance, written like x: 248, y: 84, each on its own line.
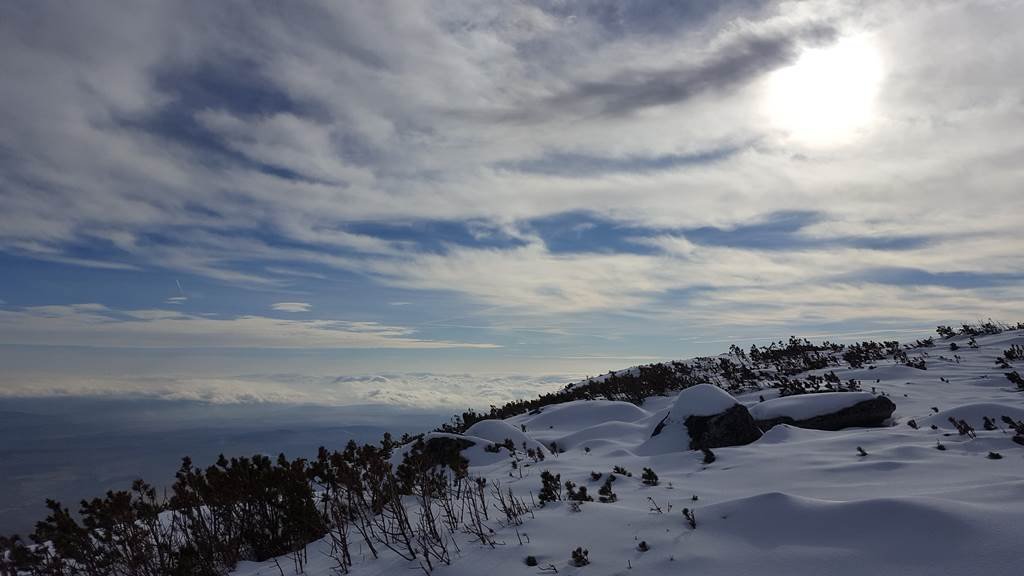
x: 440, y: 204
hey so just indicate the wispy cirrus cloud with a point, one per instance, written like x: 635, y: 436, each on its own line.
x: 581, y: 168
x: 96, y: 325
x: 291, y: 306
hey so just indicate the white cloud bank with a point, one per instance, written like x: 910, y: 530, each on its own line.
x: 450, y: 392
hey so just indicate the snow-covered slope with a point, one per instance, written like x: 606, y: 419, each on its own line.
x: 795, y: 502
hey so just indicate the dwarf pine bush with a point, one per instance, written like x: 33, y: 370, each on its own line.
x: 605, y: 493
x: 576, y: 495
x: 1015, y: 378
x: 550, y: 487
x: 690, y: 517
x: 580, y: 557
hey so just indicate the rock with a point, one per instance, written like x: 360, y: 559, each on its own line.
x: 865, y: 413
x: 702, y: 416
x: 734, y: 427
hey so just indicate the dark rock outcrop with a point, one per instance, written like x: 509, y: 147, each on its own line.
x: 702, y: 417
x: 733, y: 427
x: 869, y: 413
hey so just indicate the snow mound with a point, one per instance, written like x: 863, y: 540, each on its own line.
x: 779, y: 533
x: 804, y: 406
x: 608, y: 433
x: 580, y: 414
x: 855, y: 526
x: 786, y: 434
x: 974, y: 414
x: 669, y: 433
x: 497, y: 431
x: 701, y: 400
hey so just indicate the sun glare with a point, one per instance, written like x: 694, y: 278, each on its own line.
x: 828, y: 96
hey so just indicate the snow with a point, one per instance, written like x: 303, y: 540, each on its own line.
x: 796, y: 502
x: 784, y: 433
x: 804, y: 406
x: 623, y: 434
x: 699, y: 400
x: 579, y: 414
x: 497, y: 431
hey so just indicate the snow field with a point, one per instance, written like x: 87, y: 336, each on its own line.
x: 796, y: 502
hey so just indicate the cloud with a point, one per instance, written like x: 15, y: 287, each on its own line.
x: 297, y: 273
x: 396, y: 389
x: 269, y: 146
x: 266, y: 148
x: 734, y: 63
x: 95, y: 325
x: 837, y: 303
x: 681, y: 278
x: 291, y: 306
x: 574, y: 164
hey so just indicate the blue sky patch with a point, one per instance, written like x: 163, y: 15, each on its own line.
x: 898, y: 276
x: 579, y: 232
x: 438, y: 235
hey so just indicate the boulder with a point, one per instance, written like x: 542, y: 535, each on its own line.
x: 703, y: 416
x: 734, y: 427
x: 827, y: 411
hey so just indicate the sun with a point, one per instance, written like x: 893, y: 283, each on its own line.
x: 828, y: 96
